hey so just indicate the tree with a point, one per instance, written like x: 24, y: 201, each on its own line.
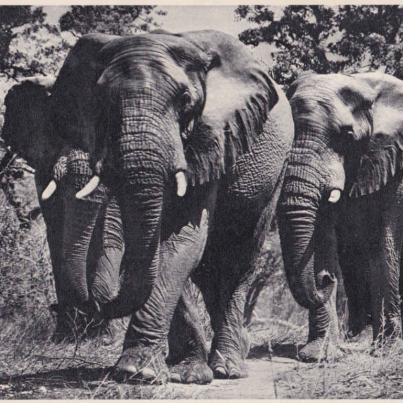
x: 29, y: 45
x: 117, y: 20
x: 372, y: 36
x: 327, y: 39
x: 11, y: 18
x: 38, y: 49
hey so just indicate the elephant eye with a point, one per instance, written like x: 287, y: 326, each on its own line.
x: 342, y: 140
x: 347, y: 131
x: 186, y: 100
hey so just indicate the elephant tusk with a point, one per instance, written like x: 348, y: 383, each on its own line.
x: 89, y: 187
x: 335, y: 195
x: 181, y: 183
x: 191, y: 125
x: 50, y: 189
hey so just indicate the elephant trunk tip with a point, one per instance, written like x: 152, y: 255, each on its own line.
x: 319, y: 293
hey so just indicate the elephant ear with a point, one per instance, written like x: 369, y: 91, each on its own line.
x: 238, y: 97
x: 382, y: 158
x: 25, y: 127
x: 76, y: 107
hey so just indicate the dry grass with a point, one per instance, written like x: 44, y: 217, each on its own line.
x: 34, y: 367
x: 25, y: 270
x: 358, y: 375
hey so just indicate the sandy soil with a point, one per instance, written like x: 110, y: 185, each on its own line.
x: 260, y: 384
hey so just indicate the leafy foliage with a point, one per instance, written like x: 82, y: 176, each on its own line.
x: 327, y: 39
x: 12, y: 21
x: 373, y: 35
x: 117, y: 20
x: 30, y: 46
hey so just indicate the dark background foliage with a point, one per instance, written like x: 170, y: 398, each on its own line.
x: 49, y: 43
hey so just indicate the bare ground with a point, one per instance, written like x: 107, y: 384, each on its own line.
x: 84, y: 381
x: 260, y: 384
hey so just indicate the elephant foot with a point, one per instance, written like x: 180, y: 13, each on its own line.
x: 358, y: 335
x: 319, y: 350
x: 228, y: 366
x: 142, y: 364
x: 192, y: 371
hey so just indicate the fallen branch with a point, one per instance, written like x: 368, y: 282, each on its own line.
x: 75, y: 358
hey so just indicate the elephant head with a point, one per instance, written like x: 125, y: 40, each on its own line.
x: 158, y: 111
x: 348, y: 143
x: 26, y: 124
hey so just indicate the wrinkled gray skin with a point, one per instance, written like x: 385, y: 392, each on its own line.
x: 145, y: 108
x: 348, y: 140
x: 27, y: 132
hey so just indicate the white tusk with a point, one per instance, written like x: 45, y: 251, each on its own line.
x: 50, y: 189
x: 335, y: 195
x: 181, y: 183
x: 89, y: 187
x: 191, y: 125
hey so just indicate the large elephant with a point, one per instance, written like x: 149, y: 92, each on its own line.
x: 348, y: 146
x: 93, y: 225
x: 191, y: 135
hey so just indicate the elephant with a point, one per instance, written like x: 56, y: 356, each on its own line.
x: 341, y: 203
x: 191, y: 136
x: 28, y: 132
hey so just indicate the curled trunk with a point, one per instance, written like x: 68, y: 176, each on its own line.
x: 298, y: 209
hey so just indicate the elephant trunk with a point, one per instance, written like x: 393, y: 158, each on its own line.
x: 80, y: 221
x: 298, y: 208
x: 147, y: 162
x: 81, y: 217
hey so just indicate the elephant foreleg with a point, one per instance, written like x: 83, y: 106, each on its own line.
x: 355, y: 268
x: 357, y: 238
x: 225, y: 301
x: 225, y: 277
x: 107, y: 248
x: 105, y: 282
x: 385, y: 270
x: 145, y: 347
x: 187, y: 340
x: 323, y: 321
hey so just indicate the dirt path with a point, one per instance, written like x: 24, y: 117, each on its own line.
x: 260, y: 384
x: 82, y: 382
